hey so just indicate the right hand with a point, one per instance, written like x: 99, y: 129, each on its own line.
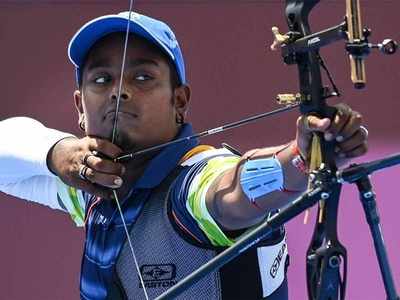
x: 103, y: 174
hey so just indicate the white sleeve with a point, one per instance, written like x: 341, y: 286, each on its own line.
x: 24, y: 144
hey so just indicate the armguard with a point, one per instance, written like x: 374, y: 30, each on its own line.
x: 260, y: 177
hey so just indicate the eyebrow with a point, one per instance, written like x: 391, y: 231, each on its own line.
x: 105, y: 62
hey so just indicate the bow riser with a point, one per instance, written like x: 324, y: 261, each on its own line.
x: 325, y: 253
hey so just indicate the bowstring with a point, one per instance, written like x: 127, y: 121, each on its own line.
x: 114, y: 133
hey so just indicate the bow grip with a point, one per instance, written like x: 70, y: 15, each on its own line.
x: 322, y: 110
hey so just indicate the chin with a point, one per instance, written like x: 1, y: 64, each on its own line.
x: 125, y: 142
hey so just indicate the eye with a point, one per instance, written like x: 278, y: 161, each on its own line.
x: 102, y: 79
x: 143, y: 77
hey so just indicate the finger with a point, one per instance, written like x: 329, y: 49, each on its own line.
x: 311, y: 123
x: 341, y: 118
x: 96, y: 190
x: 350, y: 128
x: 105, y: 180
x: 357, y: 139
x: 358, y: 151
x: 306, y: 125
x: 103, y: 165
x: 105, y: 147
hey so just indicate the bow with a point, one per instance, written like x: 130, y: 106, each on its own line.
x: 326, y: 256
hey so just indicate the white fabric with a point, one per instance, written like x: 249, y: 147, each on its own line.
x: 271, y: 261
x: 24, y: 145
x: 205, y: 154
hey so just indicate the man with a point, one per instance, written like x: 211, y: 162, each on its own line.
x: 182, y: 204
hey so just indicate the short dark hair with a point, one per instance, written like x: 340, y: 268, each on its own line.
x: 174, y: 77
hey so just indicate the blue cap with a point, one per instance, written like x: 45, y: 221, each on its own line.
x: 155, y: 31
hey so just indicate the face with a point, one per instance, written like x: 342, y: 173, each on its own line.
x: 149, y: 105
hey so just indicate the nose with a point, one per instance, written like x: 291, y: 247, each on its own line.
x: 124, y: 92
x: 124, y: 96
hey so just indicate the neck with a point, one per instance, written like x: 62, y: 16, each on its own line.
x: 134, y: 170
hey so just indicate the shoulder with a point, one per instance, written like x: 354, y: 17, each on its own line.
x: 200, y: 162
x: 189, y: 187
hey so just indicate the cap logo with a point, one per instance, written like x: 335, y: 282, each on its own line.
x: 133, y: 15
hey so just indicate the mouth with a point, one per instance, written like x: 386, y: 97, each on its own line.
x: 120, y: 113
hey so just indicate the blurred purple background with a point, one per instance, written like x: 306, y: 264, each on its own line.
x: 232, y: 74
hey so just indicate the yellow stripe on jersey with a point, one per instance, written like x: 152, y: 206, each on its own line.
x: 196, y: 204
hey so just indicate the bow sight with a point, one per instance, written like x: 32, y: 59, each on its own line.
x: 295, y: 42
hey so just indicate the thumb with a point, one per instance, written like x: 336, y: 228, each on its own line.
x: 310, y: 123
x: 306, y: 125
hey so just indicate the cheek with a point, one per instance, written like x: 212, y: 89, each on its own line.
x: 94, y: 110
x: 158, y: 105
x: 161, y: 113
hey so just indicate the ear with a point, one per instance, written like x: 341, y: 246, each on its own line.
x: 182, y: 96
x: 79, y: 106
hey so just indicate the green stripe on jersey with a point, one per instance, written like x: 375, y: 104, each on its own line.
x: 196, y: 204
x: 73, y: 201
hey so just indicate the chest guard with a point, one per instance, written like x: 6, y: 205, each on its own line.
x: 105, y: 237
